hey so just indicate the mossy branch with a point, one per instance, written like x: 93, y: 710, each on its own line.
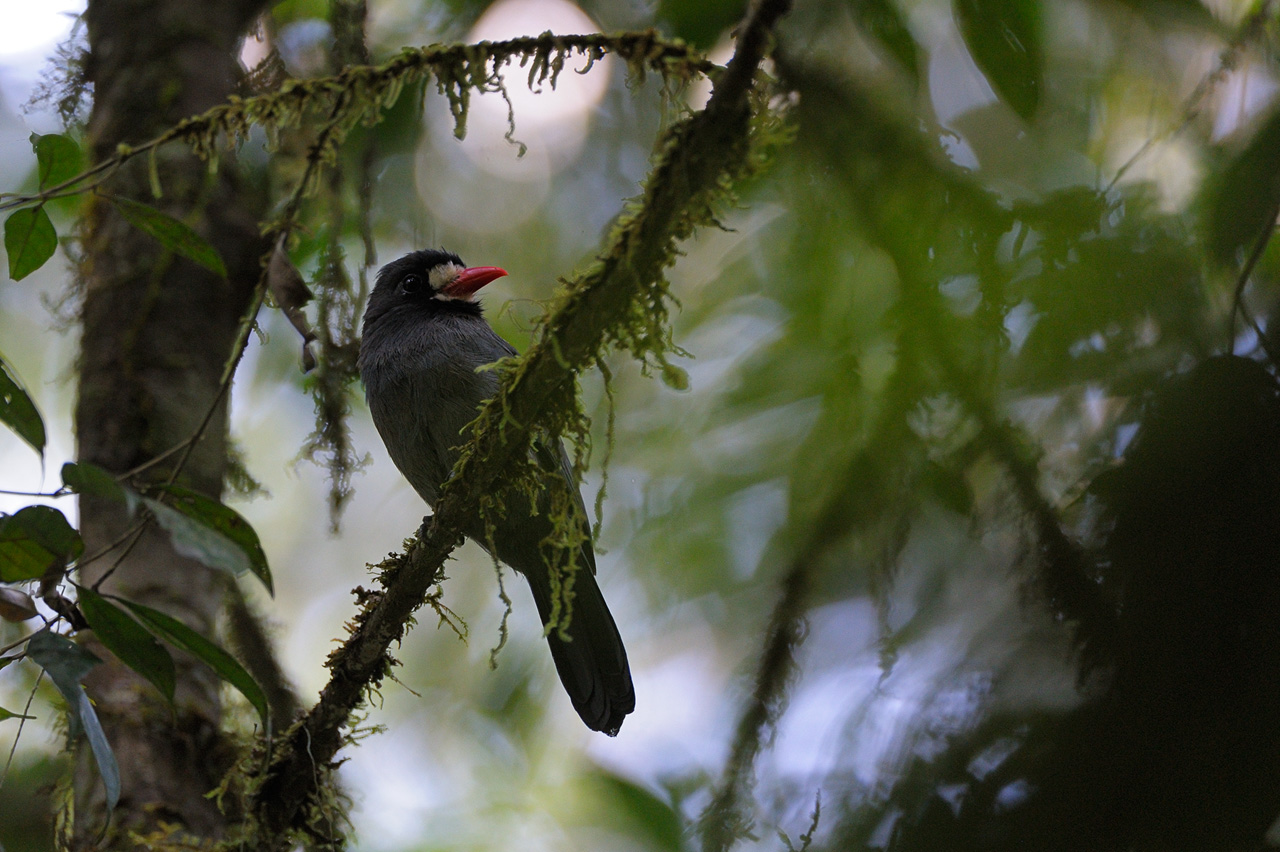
x: 620, y: 300
x: 361, y: 93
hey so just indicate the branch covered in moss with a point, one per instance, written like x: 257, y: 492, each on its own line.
x: 360, y: 94
x: 619, y: 301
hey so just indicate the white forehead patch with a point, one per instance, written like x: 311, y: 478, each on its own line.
x: 442, y: 276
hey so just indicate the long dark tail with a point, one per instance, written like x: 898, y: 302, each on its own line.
x: 593, y: 664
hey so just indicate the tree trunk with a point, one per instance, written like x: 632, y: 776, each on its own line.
x: 158, y: 330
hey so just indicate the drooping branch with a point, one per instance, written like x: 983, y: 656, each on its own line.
x: 620, y: 300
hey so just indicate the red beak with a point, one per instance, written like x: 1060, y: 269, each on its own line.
x: 470, y: 280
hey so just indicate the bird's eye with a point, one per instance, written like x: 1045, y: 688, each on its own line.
x: 411, y: 284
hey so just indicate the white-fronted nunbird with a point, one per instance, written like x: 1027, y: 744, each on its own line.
x: 425, y: 339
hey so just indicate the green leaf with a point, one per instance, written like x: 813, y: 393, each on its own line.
x: 948, y: 487
x: 290, y: 11
x: 882, y: 21
x: 202, y: 649
x: 88, y: 478
x: 66, y: 664
x: 33, y: 539
x: 30, y: 240
x: 65, y: 661
x: 9, y: 714
x: 176, y: 236
x: 1243, y: 197
x: 645, y: 816
x: 206, y: 530
x: 59, y: 158
x: 18, y: 412
x: 1003, y: 37
x: 128, y: 640
x: 1169, y: 14
x: 701, y: 22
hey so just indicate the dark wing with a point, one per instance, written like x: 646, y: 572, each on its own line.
x: 548, y: 452
x: 557, y: 459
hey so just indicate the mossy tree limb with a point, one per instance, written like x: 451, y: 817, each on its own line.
x: 360, y: 93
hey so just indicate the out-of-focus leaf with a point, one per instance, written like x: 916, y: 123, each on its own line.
x: 128, y: 640
x: 1164, y: 13
x: 16, y: 605
x: 701, y: 22
x: 9, y: 714
x: 206, y: 530
x: 176, y: 236
x: 108, y: 769
x: 66, y: 664
x: 290, y: 11
x: 34, y: 538
x: 64, y: 660
x: 30, y: 240
x: 1003, y: 37
x: 18, y: 412
x: 58, y: 157
x: 1093, y: 275
x: 400, y: 130
x: 948, y: 487
x: 882, y: 21
x: 202, y: 649
x: 649, y: 818
x: 1242, y: 200
x: 88, y: 478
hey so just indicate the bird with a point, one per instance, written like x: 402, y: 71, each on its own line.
x: 423, y: 344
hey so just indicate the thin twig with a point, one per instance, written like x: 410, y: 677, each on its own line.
x: 15, y: 643
x: 26, y: 711
x: 156, y: 459
x: 133, y: 535
x: 1247, y: 270
x: 1191, y: 106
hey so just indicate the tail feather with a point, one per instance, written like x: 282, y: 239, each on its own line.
x: 593, y: 664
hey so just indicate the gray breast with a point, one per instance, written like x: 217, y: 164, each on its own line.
x: 424, y: 390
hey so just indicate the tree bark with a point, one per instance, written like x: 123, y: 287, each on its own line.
x: 157, y: 331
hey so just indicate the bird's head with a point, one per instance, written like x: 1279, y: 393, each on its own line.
x: 429, y: 279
